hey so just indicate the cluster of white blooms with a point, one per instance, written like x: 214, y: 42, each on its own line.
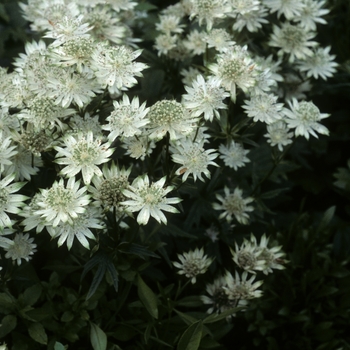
x: 230, y: 291
x: 72, y: 102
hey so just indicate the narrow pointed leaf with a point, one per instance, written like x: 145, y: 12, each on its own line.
x: 147, y: 297
x: 191, y: 338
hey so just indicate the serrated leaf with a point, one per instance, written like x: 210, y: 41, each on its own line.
x: 218, y: 317
x: 191, y: 338
x: 98, y: 337
x: 37, y: 333
x: 8, y: 324
x: 147, y: 297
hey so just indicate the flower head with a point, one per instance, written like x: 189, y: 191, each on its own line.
x: 62, y: 203
x: 127, y: 119
x: 169, y: 116
x: 320, y: 64
x: 83, y: 154
x: 194, y: 159
x: 278, y: 134
x: 205, y: 97
x: 241, y: 289
x: 264, y: 108
x: 235, y: 205
x: 234, y: 67
x: 234, y: 155
x: 193, y: 263
x: 149, y: 199
x: 22, y: 247
x: 304, y: 117
x: 78, y: 227
x: 292, y: 40
x: 9, y: 202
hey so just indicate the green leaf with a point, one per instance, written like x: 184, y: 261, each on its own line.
x: 147, y: 297
x: 139, y: 250
x: 191, y: 338
x: 326, y: 219
x: 31, y: 295
x: 6, y: 303
x: 273, y: 193
x: 187, y: 318
x: 8, y: 324
x: 3, y: 13
x: 37, y: 332
x: 59, y: 346
x: 215, y: 317
x: 98, y: 337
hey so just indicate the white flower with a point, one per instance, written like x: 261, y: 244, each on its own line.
x: 70, y: 86
x: 264, y: 108
x: 193, y: 263
x: 165, y: 43
x: 212, y: 233
x: 320, y: 64
x: 78, y: 227
x: 208, y: 10
x: 273, y: 258
x: 219, y: 38
x: 235, y: 68
x: 32, y: 219
x: 289, y: 8
x: 195, y: 42
x: 43, y: 113
x: 106, y: 23
x: 76, y: 51
x: 205, y: 97
x: 194, y: 159
x: 292, y: 40
x: 304, y: 117
x: 189, y: 75
x: 108, y: 189
x: 343, y: 177
x: 67, y: 28
x: 62, y: 203
x: 138, y: 147
x: 8, y: 123
x: 252, y: 20
x: 6, y: 151
x: 83, y: 153
x: 149, y: 199
x: 279, y: 135
x: 9, y: 202
x: 235, y: 205
x: 114, y: 66
x: 218, y: 298
x: 170, y: 24
x: 311, y: 14
x: 127, y: 119
x: 247, y: 256
x: 22, y: 247
x: 83, y: 125
x: 23, y: 164
x: 169, y: 116
x: 240, y: 288
x: 234, y: 155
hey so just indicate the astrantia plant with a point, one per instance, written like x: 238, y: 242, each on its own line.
x: 159, y: 148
